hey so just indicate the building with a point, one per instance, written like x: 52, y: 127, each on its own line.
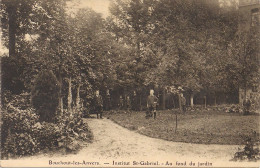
x: 250, y: 16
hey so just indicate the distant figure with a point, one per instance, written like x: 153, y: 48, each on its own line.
x: 98, y: 102
x: 134, y: 102
x: 246, y: 106
x: 151, y: 104
x: 107, y: 101
x: 121, y: 102
x: 128, y: 104
x: 183, y: 103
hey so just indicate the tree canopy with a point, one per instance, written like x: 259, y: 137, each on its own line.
x: 192, y: 44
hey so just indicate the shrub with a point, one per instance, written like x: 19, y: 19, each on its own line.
x: 46, y: 134
x: 235, y: 108
x: 45, y: 95
x: 73, y: 131
x: 16, y: 131
x: 21, y: 144
x: 24, y: 134
x: 251, y: 150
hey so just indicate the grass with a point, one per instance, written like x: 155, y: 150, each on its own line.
x: 205, y: 127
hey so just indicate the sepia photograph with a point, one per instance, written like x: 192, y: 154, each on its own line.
x: 130, y: 83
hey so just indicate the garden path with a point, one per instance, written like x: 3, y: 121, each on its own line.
x: 113, y: 142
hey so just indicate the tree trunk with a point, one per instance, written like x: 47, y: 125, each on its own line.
x: 205, y: 100
x: 176, y: 124
x: 215, y: 100
x: 173, y: 103
x: 60, y: 94
x: 60, y: 80
x: 78, y: 98
x: 12, y: 22
x: 245, y: 91
x: 191, y: 100
x: 69, y: 96
x: 164, y: 99
x: 179, y: 96
x: 61, y: 105
x: 141, y: 103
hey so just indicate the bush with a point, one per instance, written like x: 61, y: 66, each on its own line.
x: 16, y: 131
x: 251, y: 150
x: 21, y: 101
x: 21, y: 144
x: 22, y: 132
x: 73, y: 131
x: 45, y: 95
x: 234, y: 109
x: 46, y: 134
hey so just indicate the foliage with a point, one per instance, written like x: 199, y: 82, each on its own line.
x: 44, y: 95
x: 17, y: 137
x: 73, y: 130
x: 11, y: 72
x: 24, y: 134
x: 20, y: 145
x: 235, y: 108
x: 194, y: 44
x: 175, y: 43
x: 241, y: 64
x: 46, y: 134
x: 251, y: 150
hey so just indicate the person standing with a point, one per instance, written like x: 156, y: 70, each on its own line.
x: 134, y: 102
x: 128, y: 105
x: 183, y: 103
x: 98, y: 102
x: 121, y: 103
x: 151, y: 104
x: 107, y: 101
x: 246, y: 106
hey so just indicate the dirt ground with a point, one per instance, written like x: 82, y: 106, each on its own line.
x: 115, y: 143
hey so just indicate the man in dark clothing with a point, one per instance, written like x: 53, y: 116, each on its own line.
x: 246, y: 106
x: 151, y: 104
x: 107, y: 101
x: 98, y: 102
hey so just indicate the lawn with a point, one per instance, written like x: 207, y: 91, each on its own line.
x: 207, y: 127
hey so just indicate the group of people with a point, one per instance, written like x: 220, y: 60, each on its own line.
x: 127, y: 103
x: 98, y: 104
x: 152, y: 103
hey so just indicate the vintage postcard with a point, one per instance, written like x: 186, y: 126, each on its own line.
x: 130, y: 83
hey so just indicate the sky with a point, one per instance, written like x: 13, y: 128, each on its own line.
x: 99, y: 6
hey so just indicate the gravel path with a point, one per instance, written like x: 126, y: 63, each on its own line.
x: 115, y: 143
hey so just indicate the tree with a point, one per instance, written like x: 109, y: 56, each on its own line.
x: 244, y: 54
x: 132, y: 21
x: 15, y: 16
x: 22, y: 18
x: 44, y: 96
